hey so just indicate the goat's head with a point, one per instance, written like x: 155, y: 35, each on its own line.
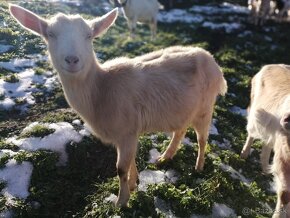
x: 285, y: 122
x: 69, y: 37
x: 119, y: 3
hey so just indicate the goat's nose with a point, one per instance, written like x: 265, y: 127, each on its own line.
x: 71, y: 60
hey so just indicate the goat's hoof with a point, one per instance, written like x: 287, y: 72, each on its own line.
x: 133, y: 187
x: 244, y: 155
x: 199, y: 168
x: 162, y: 159
x: 122, y: 204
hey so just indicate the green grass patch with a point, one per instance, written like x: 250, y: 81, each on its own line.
x: 38, y: 130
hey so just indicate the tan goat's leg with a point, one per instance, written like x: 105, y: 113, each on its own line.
x: 265, y: 157
x: 173, y: 146
x: 133, y: 175
x: 247, y: 147
x: 202, y: 140
x: 126, y: 154
x: 201, y: 128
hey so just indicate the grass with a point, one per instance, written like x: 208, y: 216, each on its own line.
x: 38, y: 130
x: 80, y: 188
x: 12, y: 78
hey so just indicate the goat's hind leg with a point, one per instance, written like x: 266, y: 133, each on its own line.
x: 201, y: 128
x: 173, y: 146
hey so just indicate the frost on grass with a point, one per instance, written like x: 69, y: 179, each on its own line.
x: 64, y: 133
x: 16, y: 186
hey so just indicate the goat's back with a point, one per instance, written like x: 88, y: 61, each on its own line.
x: 159, y: 91
x: 143, y: 11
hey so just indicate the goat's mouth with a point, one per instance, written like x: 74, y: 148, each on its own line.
x: 72, y: 70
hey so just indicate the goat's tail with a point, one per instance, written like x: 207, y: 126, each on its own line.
x: 223, y: 86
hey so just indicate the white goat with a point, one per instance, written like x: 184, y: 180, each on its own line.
x: 166, y: 90
x: 269, y: 120
x: 140, y: 11
x: 259, y: 10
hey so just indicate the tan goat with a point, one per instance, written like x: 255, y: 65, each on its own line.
x: 269, y: 120
x: 166, y: 90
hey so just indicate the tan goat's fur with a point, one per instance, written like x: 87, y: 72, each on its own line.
x: 270, y: 106
x: 167, y: 90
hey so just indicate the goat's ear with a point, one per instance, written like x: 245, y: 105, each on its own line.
x: 101, y: 24
x: 29, y: 20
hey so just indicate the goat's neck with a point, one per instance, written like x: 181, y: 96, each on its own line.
x: 80, y: 90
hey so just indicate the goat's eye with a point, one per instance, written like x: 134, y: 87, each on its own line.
x: 89, y: 36
x: 51, y: 34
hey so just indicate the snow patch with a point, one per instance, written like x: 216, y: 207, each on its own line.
x: 229, y: 27
x: 187, y: 141
x: 23, y: 89
x: 112, y: 198
x: 213, y: 130
x: 147, y: 177
x: 272, y: 187
x: 238, y: 110
x: 5, y: 48
x: 18, y: 64
x: 223, y: 145
x: 225, y: 8
x: 222, y: 210
x: 178, y: 15
x: 17, y: 186
x: 154, y: 154
x: 64, y: 133
x: 163, y: 208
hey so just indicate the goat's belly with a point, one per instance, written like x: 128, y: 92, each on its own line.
x: 261, y: 132
x: 169, y: 123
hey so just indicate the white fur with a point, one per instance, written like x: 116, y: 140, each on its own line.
x: 268, y: 120
x: 166, y: 90
x: 143, y: 12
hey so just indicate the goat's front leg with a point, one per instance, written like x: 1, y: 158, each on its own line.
x: 247, y: 147
x: 265, y: 157
x: 132, y: 27
x: 133, y: 175
x: 282, y: 206
x: 126, y: 154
